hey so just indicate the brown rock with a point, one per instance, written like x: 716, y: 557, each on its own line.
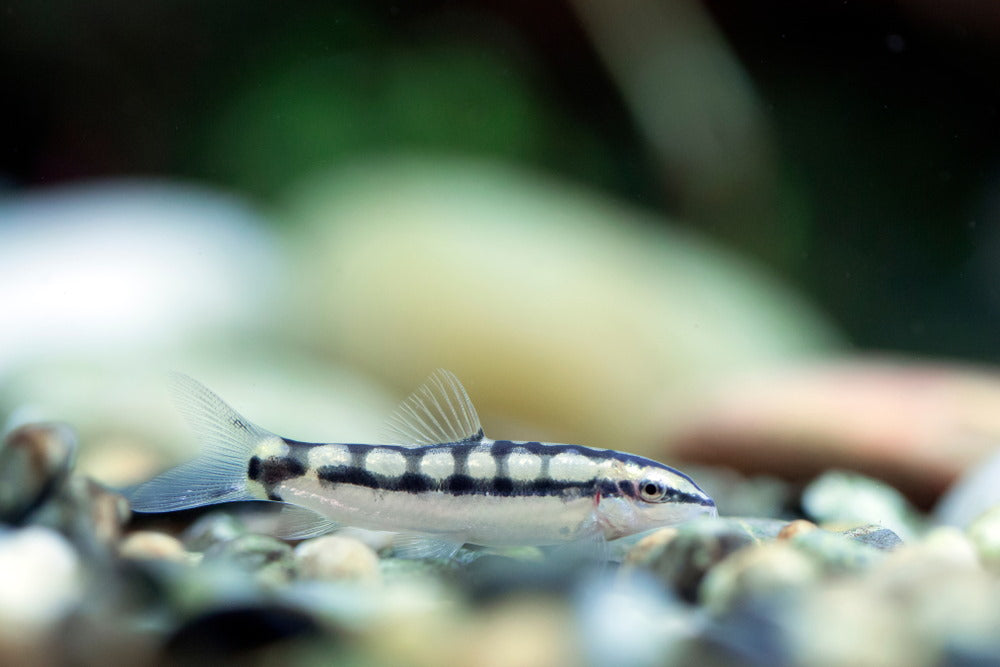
x: 798, y: 527
x: 916, y: 426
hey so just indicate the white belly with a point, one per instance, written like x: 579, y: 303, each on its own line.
x: 475, y: 519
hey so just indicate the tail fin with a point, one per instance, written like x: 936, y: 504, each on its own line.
x: 219, y: 474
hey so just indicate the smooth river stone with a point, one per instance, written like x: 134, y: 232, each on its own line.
x: 915, y: 425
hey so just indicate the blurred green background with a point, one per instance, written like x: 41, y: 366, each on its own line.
x: 873, y: 183
x: 599, y: 215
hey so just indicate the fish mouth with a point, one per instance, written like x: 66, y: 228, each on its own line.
x: 705, y: 506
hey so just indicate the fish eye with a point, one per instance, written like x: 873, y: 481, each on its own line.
x: 652, y: 490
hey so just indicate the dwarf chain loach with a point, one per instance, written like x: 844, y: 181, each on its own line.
x: 443, y: 484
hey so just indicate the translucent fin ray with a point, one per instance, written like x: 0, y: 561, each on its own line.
x: 218, y: 475
x: 299, y: 523
x: 412, y: 546
x: 439, y: 411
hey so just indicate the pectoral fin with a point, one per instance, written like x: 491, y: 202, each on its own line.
x: 406, y: 545
x: 298, y: 523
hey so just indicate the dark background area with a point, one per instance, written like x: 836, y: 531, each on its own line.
x: 883, y: 118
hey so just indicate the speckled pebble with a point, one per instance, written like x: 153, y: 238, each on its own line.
x: 767, y: 570
x: 35, y: 459
x: 150, y: 545
x: 682, y: 560
x: 643, y: 550
x: 92, y: 516
x: 334, y: 557
x: 874, y: 535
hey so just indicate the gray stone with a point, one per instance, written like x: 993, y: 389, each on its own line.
x: 835, y: 553
x: 269, y: 559
x: 212, y: 529
x: 874, y: 535
x: 765, y: 571
x: 848, y: 500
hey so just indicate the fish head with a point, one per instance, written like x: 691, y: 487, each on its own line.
x: 651, y: 495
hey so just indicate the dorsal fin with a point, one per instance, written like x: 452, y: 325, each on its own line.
x: 439, y: 411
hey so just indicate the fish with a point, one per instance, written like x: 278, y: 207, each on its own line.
x: 442, y: 483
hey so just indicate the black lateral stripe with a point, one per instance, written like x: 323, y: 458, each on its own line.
x: 349, y: 475
x: 502, y: 486
x: 276, y: 469
x: 458, y: 485
x: 414, y: 483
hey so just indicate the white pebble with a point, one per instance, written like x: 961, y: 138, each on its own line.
x: 150, y: 545
x: 333, y: 557
x: 40, y: 581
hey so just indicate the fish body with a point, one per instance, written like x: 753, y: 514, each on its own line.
x: 446, y: 485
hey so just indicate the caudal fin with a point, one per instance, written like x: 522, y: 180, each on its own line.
x: 218, y: 475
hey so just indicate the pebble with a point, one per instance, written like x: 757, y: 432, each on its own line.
x: 975, y: 492
x: 211, y: 529
x: 268, y: 559
x: 643, y: 551
x: 543, y: 628
x: 632, y: 621
x: 366, y: 259
x: 35, y: 460
x: 841, y: 622
x: 333, y: 557
x: 41, y: 581
x: 985, y: 535
x: 875, y: 536
x: 916, y: 425
x: 838, y: 497
x: 681, y: 557
x: 768, y: 570
x: 836, y: 553
x: 796, y: 528
x: 149, y: 545
x: 90, y: 514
